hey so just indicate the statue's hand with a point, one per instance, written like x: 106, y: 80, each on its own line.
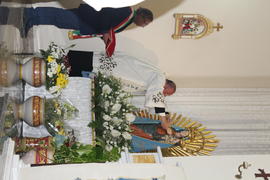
x: 165, y: 122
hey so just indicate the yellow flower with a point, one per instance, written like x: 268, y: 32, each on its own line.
x: 61, y: 80
x: 56, y: 105
x: 58, y: 69
x: 59, y: 123
x: 62, y: 132
x: 50, y: 59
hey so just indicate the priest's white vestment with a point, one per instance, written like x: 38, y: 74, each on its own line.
x: 136, y: 75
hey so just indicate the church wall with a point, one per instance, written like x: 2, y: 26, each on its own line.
x: 237, y: 56
x: 102, y: 171
x: 221, y: 167
x: 188, y: 168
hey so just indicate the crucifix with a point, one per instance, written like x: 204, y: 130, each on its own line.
x: 218, y: 27
x: 262, y: 174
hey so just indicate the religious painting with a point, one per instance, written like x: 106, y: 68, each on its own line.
x: 186, y: 138
x: 193, y: 26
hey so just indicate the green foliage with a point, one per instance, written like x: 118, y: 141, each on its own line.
x: 9, y: 120
x: 78, y: 153
x: 57, y: 110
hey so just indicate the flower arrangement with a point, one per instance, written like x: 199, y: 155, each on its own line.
x: 57, y: 110
x: 113, y: 113
x: 57, y: 68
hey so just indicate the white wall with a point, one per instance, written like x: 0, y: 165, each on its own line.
x: 101, y: 171
x: 221, y: 167
x: 237, y: 56
x: 190, y: 168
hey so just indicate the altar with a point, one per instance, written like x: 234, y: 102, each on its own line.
x: 78, y: 92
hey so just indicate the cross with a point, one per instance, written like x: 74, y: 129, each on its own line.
x: 263, y: 174
x: 218, y: 27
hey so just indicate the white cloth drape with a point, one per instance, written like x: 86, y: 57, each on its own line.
x: 240, y: 118
x: 78, y: 92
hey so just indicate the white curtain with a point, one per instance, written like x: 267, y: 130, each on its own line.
x: 239, y: 117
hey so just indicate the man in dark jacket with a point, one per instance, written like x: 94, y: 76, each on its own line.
x: 86, y: 20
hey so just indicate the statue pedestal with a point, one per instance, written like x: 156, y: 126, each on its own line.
x: 127, y: 157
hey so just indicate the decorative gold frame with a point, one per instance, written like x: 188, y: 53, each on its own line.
x: 208, y: 26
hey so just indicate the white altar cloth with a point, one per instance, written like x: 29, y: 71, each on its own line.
x: 78, y: 92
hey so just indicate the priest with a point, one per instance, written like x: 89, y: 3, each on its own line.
x: 136, y: 75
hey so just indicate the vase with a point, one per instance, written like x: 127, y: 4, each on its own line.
x: 33, y: 72
x: 31, y: 111
x: 9, y: 72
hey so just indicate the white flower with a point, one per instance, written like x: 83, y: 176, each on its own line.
x: 116, y: 121
x: 106, y: 104
x: 121, y: 95
x: 58, y: 111
x: 116, y: 108
x: 126, y: 135
x: 56, y: 54
x: 53, y: 65
x: 50, y: 74
x: 115, y: 133
x: 108, y: 147
x: 105, y: 124
x: 62, y: 66
x: 106, y: 89
x: 106, y: 117
x: 130, y: 117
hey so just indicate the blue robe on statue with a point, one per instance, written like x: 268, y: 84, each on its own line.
x: 84, y: 18
x: 139, y: 144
